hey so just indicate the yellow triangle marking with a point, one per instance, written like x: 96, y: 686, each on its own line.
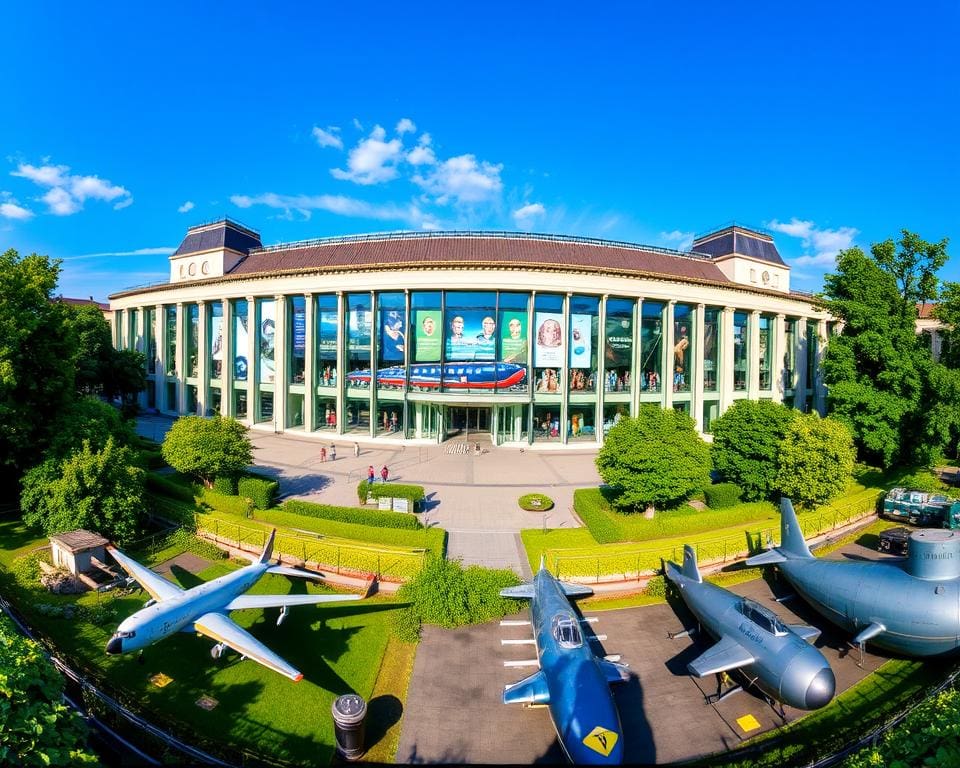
x: 748, y: 723
x: 601, y: 740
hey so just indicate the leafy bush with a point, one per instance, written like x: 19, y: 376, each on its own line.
x: 413, y: 493
x: 448, y: 595
x: 535, y: 502
x: 166, y: 487
x: 722, y: 495
x: 207, y: 448
x: 262, y: 492
x: 591, y: 508
x: 152, y: 459
x: 923, y: 481
x: 353, y: 515
x: 26, y: 568
x: 232, y: 505
x: 363, y: 491
x: 656, y: 587
x: 225, y: 484
x: 815, y: 460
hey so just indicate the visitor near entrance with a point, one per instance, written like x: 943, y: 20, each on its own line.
x: 371, y: 474
x: 384, y: 473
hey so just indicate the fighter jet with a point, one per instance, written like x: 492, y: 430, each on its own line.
x: 775, y: 657
x: 909, y: 606
x: 572, y: 681
x: 204, y: 609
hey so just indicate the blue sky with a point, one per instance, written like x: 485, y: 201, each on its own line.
x: 830, y: 124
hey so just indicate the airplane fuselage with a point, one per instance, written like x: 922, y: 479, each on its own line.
x: 162, y: 619
x: 921, y: 617
x: 580, y: 696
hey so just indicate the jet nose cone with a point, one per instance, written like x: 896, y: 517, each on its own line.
x: 821, y: 689
x: 115, y: 645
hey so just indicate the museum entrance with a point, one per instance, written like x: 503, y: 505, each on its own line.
x: 468, y: 422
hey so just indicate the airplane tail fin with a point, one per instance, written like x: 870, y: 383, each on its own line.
x: 791, y: 537
x: 268, y: 547
x: 690, y: 569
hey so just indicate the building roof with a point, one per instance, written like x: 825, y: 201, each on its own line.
x: 925, y: 310
x: 477, y: 249
x: 79, y: 541
x: 84, y: 302
x: 736, y: 239
x: 222, y: 233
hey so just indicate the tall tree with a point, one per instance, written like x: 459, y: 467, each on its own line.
x: 38, y: 352
x: 815, y: 460
x: 654, y: 459
x: 207, y: 448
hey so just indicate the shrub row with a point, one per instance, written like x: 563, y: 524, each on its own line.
x: 353, y: 515
x: 160, y: 484
x: 721, y: 495
x: 413, y: 493
x: 591, y: 508
x: 261, y: 491
x: 225, y: 485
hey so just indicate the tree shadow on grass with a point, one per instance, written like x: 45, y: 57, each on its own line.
x: 14, y: 534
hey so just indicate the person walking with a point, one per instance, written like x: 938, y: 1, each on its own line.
x: 356, y: 450
x: 384, y: 473
x: 333, y: 452
x: 371, y: 475
x: 323, y: 454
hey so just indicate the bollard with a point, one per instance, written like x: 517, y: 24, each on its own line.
x: 349, y: 722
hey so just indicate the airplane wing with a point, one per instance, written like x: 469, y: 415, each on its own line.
x: 575, y: 590
x: 615, y: 673
x: 157, y: 586
x: 725, y: 655
x: 808, y: 633
x: 279, y: 601
x: 523, y: 590
x: 218, y: 627
x: 530, y: 690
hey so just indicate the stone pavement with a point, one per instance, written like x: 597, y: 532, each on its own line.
x: 473, y: 497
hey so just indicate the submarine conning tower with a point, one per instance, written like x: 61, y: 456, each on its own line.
x: 934, y: 554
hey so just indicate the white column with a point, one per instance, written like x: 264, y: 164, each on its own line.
x: 599, y: 378
x: 252, y: 353
x: 696, y: 388
x: 181, y: 362
x: 636, y: 377
x: 803, y: 350
x: 159, y: 366
x: 564, y: 372
x: 668, y: 365
x: 203, y: 370
x: 226, y: 366
x: 309, y: 352
x: 341, y: 390
x: 281, y: 346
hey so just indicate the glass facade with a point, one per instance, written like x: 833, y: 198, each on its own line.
x: 741, y: 351
x: 170, y: 340
x: 711, y: 348
x: 682, y: 347
x: 192, y: 312
x: 215, y: 340
x: 766, y: 351
x: 326, y: 336
x: 150, y: 331
x: 651, y: 347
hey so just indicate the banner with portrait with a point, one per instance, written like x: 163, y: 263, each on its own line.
x: 268, y: 333
x: 240, y: 341
x: 428, y: 330
x: 358, y: 323
x: 392, y: 335
x: 216, y: 338
x: 513, y: 337
x: 548, y: 339
x: 327, y: 334
x: 471, y: 334
x: 619, y: 346
x: 581, y: 340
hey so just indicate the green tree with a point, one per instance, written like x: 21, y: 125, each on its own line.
x: 98, y: 490
x: 815, y: 460
x: 38, y: 352
x: 88, y: 418
x: 876, y: 370
x: 654, y: 459
x: 745, y: 443
x: 207, y: 448
x: 36, y: 727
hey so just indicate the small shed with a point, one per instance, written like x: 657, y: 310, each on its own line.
x: 75, y: 550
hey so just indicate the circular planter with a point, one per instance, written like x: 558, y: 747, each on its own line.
x: 535, y: 502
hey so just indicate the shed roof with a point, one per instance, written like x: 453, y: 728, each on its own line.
x: 79, y: 541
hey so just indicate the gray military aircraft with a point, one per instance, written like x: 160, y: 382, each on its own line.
x: 572, y: 681
x: 909, y: 606
x: 204, y: 609
x: 775, y: 657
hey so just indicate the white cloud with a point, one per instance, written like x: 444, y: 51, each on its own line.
x: 328, y: 138
x: 339, y: 204
x: 824, y: 243
x: 162, y: 251
x: 405, y: 126
x: 68, y: 192
x: 186, y: 207
x: 524, y: 217
x: 358, y: 125
x: 462, y: 180
x: 421, y: 156
x: 681, y: 241
x: 10, y: 208
x: 373, y: 160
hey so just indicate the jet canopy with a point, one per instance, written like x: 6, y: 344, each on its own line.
x: 566, y: 631
x: 763, y: 617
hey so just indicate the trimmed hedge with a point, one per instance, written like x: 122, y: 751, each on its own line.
x: 163, y: 486
x: 590, y: 507
x: 225, y: 485
x: 152, y: 459
x: 260, y: 490
x: 412, y: 493
x: 721, y: 495
x: 352, y: 515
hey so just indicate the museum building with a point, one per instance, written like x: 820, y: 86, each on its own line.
x: 485, y: 336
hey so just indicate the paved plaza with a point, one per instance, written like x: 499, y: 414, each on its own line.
x: 474, y: 497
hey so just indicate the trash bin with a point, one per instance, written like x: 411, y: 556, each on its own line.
x: 349, y: 722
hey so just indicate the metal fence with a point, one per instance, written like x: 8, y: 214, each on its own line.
x: 612, y: 562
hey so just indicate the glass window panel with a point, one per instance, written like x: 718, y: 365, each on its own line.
x: 584, y: 332
x: 766, y: 351
x: 266, y: 342
x: 546, y: 423
x: 470, y: 342
x: 325, y: 330
x: 711, y: 348
x: 427, y: 351
x: 150, y: 328
x: 215, y: 340
x: 581, y: 425
x: 392, y: 340
x: 513, y: 324
x: 790, y: 353
x: 359, y: 326
x: 812, y: 342
x: 390, y: 419
x: 240, y: 404
x: 136, y: 342
x: 612, y: 413
x: 651, y: 346
x: 741, y: 348
x: 618, y: 345
x: 295, y: 410
x: 172, y: 396
x: 296, y: 341
x: 326, y: 413
x: 711, y: 409
x: 241, y: 365
x: 682, y: 347
x: 358, y: 415
x: 264, y: 407
x: 170, y: 340
x: 193, y: 340
x: 548, y: 344
x: 216, y: 401
x: 191, y: 405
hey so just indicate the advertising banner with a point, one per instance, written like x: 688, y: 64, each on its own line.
x: 392, y: 335
x: 240, y: 362
x: 619, y: 346
x: 513, y: 337
x: 427, y: 333
x: 327, y: 335
x: 471, y: 335
x: 216, y: 336
x: 359, y: 325
x: 580, y: 341
x: 268, y: 332
x: 299, y: 331
x: 548, y: 341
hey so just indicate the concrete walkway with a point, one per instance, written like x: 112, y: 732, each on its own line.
x: 473, y: 497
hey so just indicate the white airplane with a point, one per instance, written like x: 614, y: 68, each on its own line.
x: 204, y: 609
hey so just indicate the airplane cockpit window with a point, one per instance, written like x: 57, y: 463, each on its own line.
x: 566, y: 630
x: 124, y: 634
x: 762, y: 617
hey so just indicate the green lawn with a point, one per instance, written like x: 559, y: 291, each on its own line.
x: 339, y: 649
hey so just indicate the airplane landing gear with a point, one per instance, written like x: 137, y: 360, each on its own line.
x: 217, y: 650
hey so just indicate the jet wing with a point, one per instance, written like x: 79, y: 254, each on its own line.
x: 279, y: 601
x: 530, y: 690
x: 218, y: 627
x: 158, y: 587
x: 808, y: 633
x: 615, y: 673
x: 523, y: 590
x: 725, y: 655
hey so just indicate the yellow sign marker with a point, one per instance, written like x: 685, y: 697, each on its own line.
x: 161, y: 680
x: 748, y: 723
x: 601, y: 740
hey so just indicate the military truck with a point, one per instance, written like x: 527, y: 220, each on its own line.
x: 927, y: 510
